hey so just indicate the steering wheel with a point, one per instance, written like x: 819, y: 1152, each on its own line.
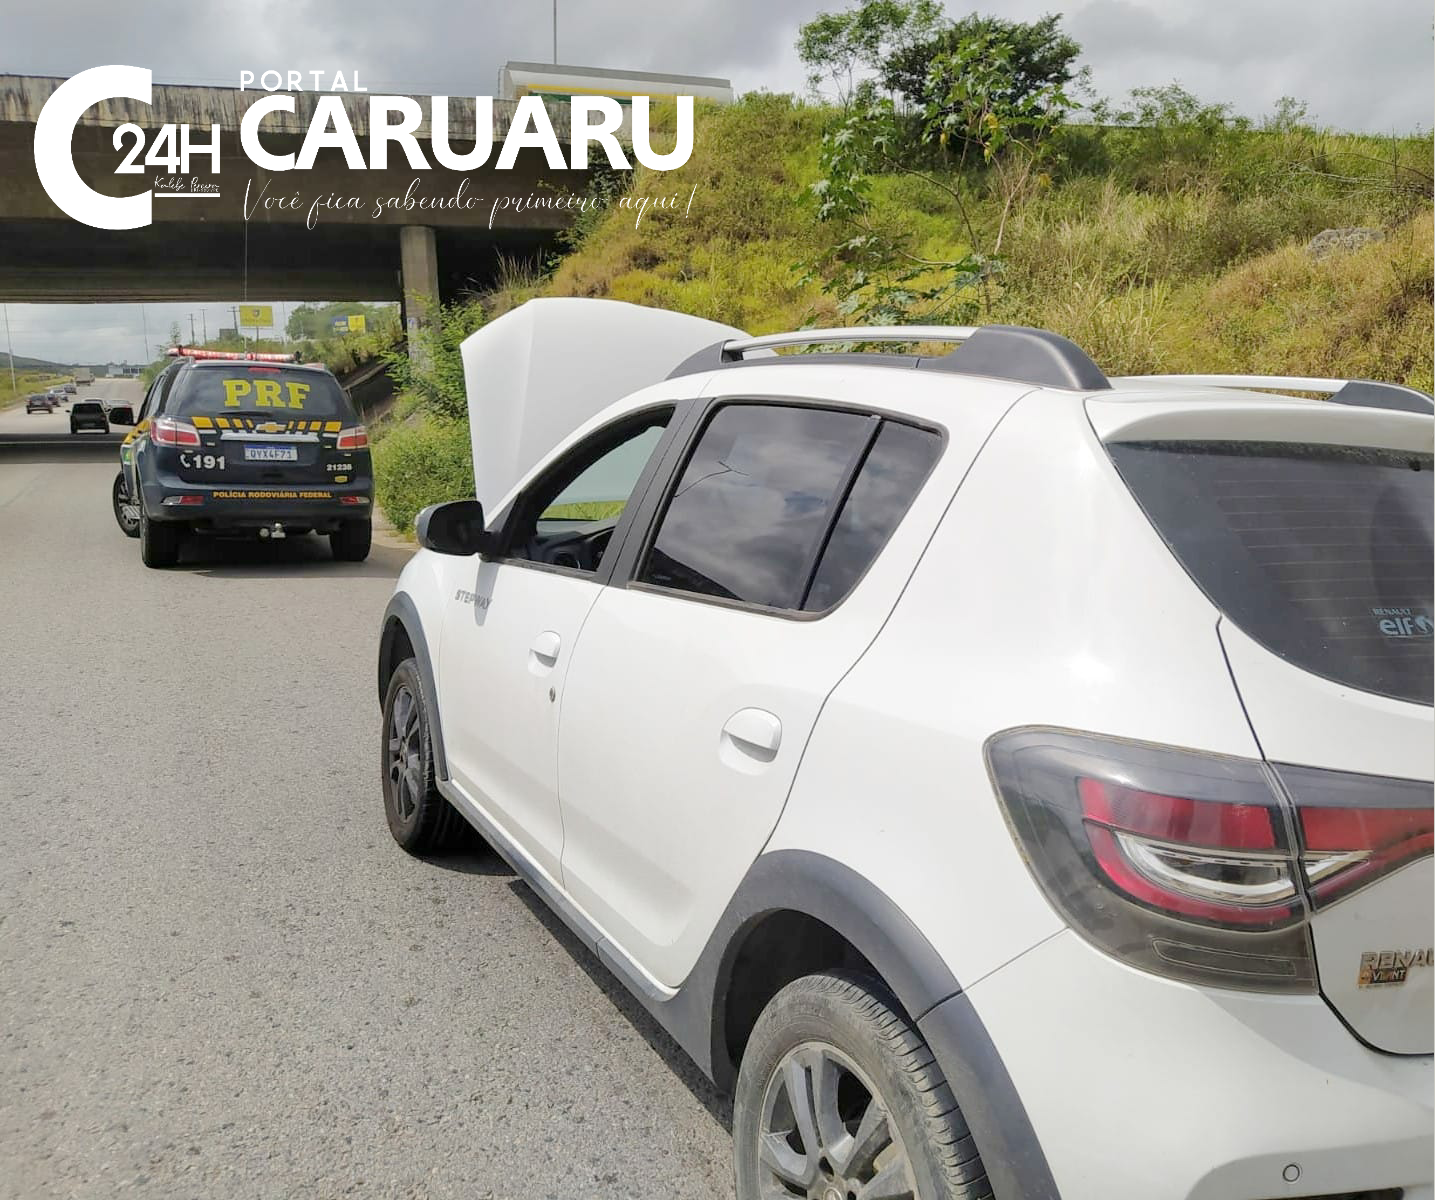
x: 581, y: 550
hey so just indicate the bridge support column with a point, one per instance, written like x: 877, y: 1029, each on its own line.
x: 418, y: 263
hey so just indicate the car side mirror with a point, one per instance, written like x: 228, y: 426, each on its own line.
x: 454, y: 528
x: 121, y: 414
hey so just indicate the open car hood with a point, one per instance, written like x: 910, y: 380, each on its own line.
x: 537, y: 373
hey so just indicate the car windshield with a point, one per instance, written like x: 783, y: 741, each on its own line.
x: 245, y: 387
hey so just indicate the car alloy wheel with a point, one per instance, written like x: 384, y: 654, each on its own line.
x: 127, y: 511
x: 825, y: 1133
x: 405, y: 756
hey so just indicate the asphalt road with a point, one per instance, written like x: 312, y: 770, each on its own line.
x: 218, y: 975
x: 53, y: 428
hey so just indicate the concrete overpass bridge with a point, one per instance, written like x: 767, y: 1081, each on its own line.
x: 204, y: 248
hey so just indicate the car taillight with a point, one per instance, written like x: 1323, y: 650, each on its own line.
x: 1355, y: 829
x: 1208, y: 860
x: 1175, y: 862
x: 1196, y: 866
x: 356, y: 437
x: 166, y: 431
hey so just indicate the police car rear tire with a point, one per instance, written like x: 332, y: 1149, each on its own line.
x: 351, y: 541
x: 159, y: 542
x: 420, y: 819
x: 127, y: 515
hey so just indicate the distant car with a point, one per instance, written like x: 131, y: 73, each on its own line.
x: 40, y: 402
x: 70, y: 388
x: 89, y: 414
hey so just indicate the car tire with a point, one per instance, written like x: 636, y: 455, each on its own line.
x: 420, y: 819
x: 351, y: 541
x: 872, y: 1101
x: 127, y: 513
x: 159, y: 541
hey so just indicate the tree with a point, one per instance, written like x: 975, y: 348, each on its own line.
x: 972, y: 105
x: 1038, y: 57
x: 834, y: 47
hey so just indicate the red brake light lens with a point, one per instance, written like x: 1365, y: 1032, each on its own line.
x: 1346, y: 848
x: 356, y: 437
x: 1209, y: 860
x: 166, y: 431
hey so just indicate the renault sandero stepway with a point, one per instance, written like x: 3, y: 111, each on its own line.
x: 252, y: 445
x: 1005, y: 779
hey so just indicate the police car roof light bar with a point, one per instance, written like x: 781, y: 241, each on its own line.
x: 241, y: 356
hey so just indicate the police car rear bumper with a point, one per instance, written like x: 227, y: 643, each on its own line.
x: 233, y: 508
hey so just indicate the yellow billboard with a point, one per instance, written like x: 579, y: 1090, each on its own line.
x: 357, y: 323
x: 254, y: 316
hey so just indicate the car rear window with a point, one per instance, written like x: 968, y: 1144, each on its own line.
x: 1321, y: 553
x: 213, y: 391
x: 87, y: 407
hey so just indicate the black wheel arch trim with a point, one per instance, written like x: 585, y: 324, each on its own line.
x: 828, y: 891
x: 403, y: 614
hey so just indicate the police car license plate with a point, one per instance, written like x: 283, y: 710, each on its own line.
x: 271, y: 453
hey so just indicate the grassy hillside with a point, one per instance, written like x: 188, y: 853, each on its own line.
x: 1175, y: 246
x: 27, y: 382
x: 1156, y: 249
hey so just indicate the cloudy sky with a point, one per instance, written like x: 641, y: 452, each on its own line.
x: 1364, y: 66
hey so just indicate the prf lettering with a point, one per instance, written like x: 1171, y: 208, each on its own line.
x: 264, y: 393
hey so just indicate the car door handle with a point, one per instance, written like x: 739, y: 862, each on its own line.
x: 754, y: 731
x: 545, y: 648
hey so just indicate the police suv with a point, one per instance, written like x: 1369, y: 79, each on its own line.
x: 249, y: 445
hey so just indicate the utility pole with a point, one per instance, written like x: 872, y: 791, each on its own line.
x: 204, y: 325
x: 10, y: 349
x: 191, y: 329
x: 555, y: 32
x: 148, y: 354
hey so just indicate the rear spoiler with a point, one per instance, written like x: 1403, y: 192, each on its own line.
x: 1363, y: 393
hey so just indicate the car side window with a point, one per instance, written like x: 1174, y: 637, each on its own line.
x: 567, y: 517
x: 148, y: 407
x: 892, y: 473
x: 786, y: 506
x: 753, y: 505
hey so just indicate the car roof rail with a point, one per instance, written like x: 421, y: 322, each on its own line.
x: 1363, y: 393
x: 1010, y: 352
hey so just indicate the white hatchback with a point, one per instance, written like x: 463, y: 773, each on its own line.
x: 1008, y: 780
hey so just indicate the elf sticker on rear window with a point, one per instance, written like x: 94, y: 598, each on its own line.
x: 1403, y: 622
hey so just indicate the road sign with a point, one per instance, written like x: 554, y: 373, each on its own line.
x: 253, y: 316
x: 343, y: 325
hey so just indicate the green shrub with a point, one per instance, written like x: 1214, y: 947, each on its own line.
x: 419, y: 463
x: 431, y: 367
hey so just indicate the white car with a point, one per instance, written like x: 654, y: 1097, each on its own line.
x: 1008, y: 780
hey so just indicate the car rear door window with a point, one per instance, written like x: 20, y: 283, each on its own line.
x: 892, y: 473
x: 786, y: 506
x: 1321, y: 553
x: 754, y: 502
